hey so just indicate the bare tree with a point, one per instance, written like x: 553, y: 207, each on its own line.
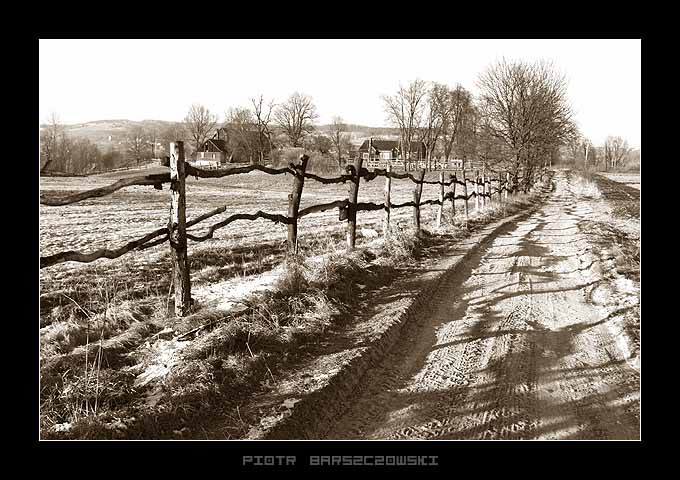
x: 296, y: 118
x: 241, y: 130
x: 339, y: 137
x: 199, y: 123
x: 436, y: 110
x: 615, y: 151
x: 137, y: 143
x: 588, y: 152
x: 456, y: 116
x: 525, y: 106
x: 263, y: 122
x: 405, y: 111
x: 49, y: 139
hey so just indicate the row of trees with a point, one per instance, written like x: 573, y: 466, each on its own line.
x: 613, y: 154
x: 520, y: 118
x: 61, y: 153
x: 255, y: 130
x: 441, y: 117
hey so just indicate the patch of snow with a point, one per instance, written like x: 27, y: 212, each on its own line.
x: 369, y: 233
x: 290, y: 402
x: 165, y: 356
x: 229, y: 294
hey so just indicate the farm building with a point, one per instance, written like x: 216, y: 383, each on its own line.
x: 212, y: 154
x: 389, y: 150
x: 232, y: 147
x: 384, y: 152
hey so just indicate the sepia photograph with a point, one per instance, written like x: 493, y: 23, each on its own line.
x: 339, y: 239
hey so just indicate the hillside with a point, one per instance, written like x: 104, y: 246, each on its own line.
x: 99, y: 131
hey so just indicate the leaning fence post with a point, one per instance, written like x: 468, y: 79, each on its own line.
x: 352, y: 204
x: 441, y: 199
x: 177, y: 230
x: 417, y: 192
x: 294, y: 202
x: 388, y: 186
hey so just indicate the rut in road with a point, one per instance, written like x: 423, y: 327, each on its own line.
x: 511, y: 349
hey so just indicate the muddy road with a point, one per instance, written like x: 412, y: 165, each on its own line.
x: 536, y: 336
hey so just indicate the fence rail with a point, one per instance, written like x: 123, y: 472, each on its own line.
x: 175, y: 233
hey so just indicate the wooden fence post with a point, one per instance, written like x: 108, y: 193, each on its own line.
x: 452, y: 178
x: 507, y: 185
x: 388, y: 186
x: 294, y: 202
x: 483, y: 191
x: 178, y: 230
x: 351, y: 207
x: 417, y: 192
x: 441, y: 199
x: 465, y: 192
x: 490, y: 189
x: 476, y: 191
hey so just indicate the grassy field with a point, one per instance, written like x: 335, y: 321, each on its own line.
x: 113, y: 220
x: 630, y: 179
x: 105, y: 325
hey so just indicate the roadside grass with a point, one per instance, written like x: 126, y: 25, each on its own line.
x: 102, y: 333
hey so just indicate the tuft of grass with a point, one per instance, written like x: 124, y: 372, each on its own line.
x: 401, y: 245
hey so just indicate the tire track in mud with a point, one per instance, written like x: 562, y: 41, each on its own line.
x: 509, y: 349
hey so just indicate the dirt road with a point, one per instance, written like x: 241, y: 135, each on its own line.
x: 533, y: 338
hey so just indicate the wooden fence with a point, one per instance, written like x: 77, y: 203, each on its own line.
x: 484, y: 189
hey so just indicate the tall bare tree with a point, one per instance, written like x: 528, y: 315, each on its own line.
x: 588, y: 152
x: 199, y: 124
x: 49, y: 139
x: 405, y: 111
x: 436, y: 109
x: 457, y: 116
x: 296, y: 118
x: 263, y: 112
x: 525, y: 106
x: 339, y: 136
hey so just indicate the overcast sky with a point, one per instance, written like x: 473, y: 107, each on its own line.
x: 85, y: 80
